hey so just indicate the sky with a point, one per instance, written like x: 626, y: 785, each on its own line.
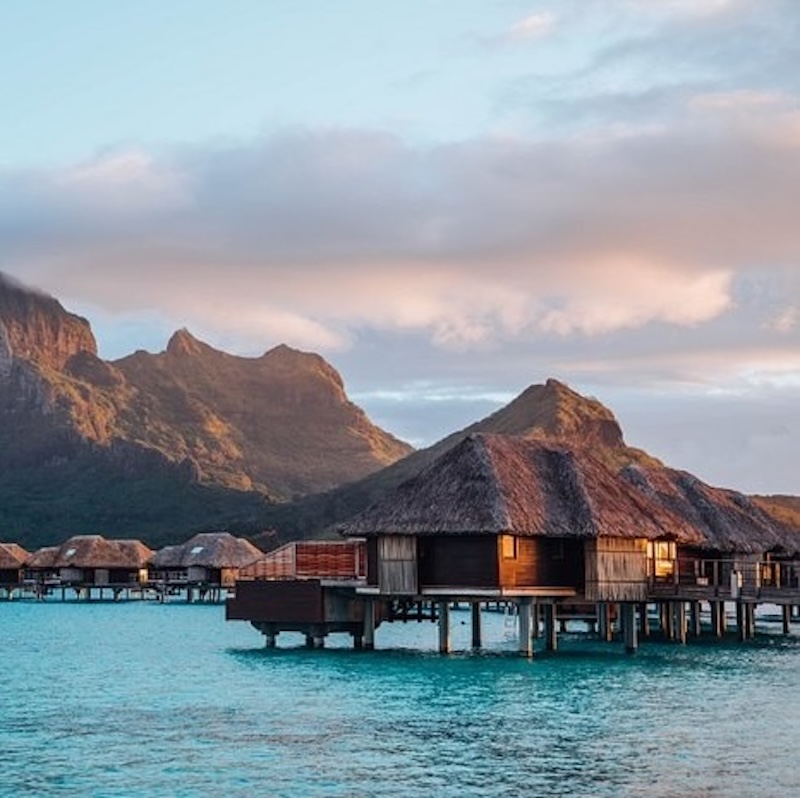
x: 450, y: 200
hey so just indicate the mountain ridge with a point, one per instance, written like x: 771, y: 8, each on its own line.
x: 199, y: 419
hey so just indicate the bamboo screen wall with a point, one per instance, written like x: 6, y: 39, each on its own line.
x: 616, y: 569
x: 397, y: 565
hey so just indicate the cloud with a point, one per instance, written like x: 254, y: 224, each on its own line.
x: 534, y: 26
x: 317, y: 237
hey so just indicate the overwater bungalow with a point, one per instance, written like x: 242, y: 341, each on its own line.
x: 204, y: 564
x: 89, y: 564
x: 500, y: 518
x: 12, y: 567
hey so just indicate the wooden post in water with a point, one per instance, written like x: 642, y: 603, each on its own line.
x: 694, y: 610
x: 644, y: 621
x: 602, y: 620
x: 525, y: 644
x: 476, y: 624
x: 750, y: 620
x: 443, y: 610
x: 668, y: 619
x: 717, y: 609
x: 536, y: 620
x: 787, y: 618
x: 369, y: 625
x: 680, y: 624
x: 629, y: 628
x: 270, y: 639
x: 550, y: 627
x: 740, y: 621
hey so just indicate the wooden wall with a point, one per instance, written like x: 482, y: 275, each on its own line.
x: 397, y: 565
x: 290, y: 602
x: 458, y: 561
x: 540, y: 562
x: 616, y: 569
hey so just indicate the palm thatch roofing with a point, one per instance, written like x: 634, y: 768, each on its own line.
x: 727, y: 520
x: 494, y: 484
x: 208, y: 550
x: 12, y: 556
x: 92, y: 551
x: 44, y: 558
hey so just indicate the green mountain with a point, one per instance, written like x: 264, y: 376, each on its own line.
x: 160, y: 445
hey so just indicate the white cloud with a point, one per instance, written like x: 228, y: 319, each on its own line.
x: 534, y: 26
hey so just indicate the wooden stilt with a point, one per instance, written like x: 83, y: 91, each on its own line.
x: 602, y: 620
x: 476, y: 625
x: 750, y: 620
x: 536, y: 621
x: 443, y: 609
x: 787, y: 618
x: 679, y: 608
x: 550, y: 627
x: 270, y: 639
x: 644, y: 621
x: 525, y: 641
x: 629, y: 628
x: 740, y: 621
x: 694, y: 610
x: 369, y: 625
x: 668, y: 620
x: 716, y: 618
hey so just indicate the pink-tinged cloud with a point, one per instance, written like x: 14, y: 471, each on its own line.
x: 317, y: 238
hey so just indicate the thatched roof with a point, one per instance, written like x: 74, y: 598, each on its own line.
x: 496, y: 484
x: 43, y: 558
x: 92, y: 551
x: 726, y: 520
x: 12, y: 556
x: 208, y: 550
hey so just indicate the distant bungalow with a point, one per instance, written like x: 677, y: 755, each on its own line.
x: 503, y: 518
x: 205, y: 564
x: 88, y: 562
x: 12, y: 567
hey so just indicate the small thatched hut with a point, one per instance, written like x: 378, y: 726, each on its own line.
x: 209, y: 558
x: 12, y: 564
x: 504, y: 514
x: 91, y: 560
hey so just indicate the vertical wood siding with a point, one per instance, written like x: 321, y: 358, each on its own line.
x: 397, y: 565
x: 616, y: 569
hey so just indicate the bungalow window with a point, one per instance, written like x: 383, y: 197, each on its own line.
x: 508, y: 545
x: 661, y: 554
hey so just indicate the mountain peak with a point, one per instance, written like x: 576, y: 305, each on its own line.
x: 554, y: 410
x: 35, y: 327
x: 184, y: 344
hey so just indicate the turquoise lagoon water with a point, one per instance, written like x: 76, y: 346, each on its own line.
x: 143, y: 699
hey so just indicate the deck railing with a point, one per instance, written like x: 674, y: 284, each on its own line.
x: 327, y: 560
x: 732, y: 577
